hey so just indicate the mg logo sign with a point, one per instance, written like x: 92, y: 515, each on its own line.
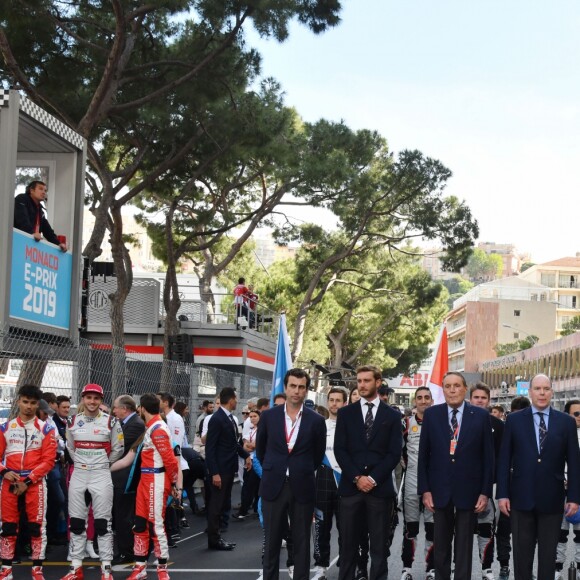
x: 98, y: 300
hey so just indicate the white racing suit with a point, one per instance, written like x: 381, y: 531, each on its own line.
x: 411, y: 502
x: 93, y: 443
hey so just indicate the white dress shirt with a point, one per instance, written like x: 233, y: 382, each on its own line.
x: 363, y: 405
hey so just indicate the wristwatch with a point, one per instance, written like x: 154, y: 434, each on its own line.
x: 355, y: 480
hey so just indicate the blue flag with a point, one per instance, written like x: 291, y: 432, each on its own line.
x: 283, y: 362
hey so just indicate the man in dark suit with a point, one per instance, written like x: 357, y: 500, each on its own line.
x: 290, y: 445
x: 537, y: 444
x: 125, y: 410
x: 367, y: 444
x: 221, y: 458
x: 455, y: 475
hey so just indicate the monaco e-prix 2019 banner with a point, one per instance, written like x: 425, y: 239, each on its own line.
x: 40, y: 285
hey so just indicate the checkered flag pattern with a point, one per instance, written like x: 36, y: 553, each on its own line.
x: 44, y: 118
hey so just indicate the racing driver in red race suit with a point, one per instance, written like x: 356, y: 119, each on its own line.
x: 27, y: 454
x: 159, y: 476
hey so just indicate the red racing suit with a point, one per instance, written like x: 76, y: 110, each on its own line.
x: 30, y: 450
x: 158, y: 471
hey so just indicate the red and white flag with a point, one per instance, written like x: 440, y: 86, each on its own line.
x: 439, y: 368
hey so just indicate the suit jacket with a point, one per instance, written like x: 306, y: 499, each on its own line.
x: 497, y: 429
x: 533, y: 480
x: 460, y: 478
x: 301, y: 463
x: 221, y: 446
x: 376, y: 457
x: 25, y: 212
x: 132, y: 430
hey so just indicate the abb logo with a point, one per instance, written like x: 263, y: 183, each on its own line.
x: 416, y: 380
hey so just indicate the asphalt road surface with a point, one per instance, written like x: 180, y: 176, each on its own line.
x: 192, y: 559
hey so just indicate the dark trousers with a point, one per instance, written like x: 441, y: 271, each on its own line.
x: 249, y: 492
x: 275, y: 515
x: 55, y: 501
x: 326, y: 507
x: 461, y: 523
x: 378, y: 512
x: 123, y: 520
x: 503, y: 540
x: 529, y: 527
x: 219, y: 499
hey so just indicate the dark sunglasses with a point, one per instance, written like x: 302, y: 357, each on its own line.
x: 576, y: 413
x: 245, y: 412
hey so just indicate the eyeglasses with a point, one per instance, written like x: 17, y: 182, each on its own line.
x: 245, y: 413
x: 576, y: 413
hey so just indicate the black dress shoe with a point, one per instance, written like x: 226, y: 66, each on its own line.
x: 221, y: 545
x: 122, y: 559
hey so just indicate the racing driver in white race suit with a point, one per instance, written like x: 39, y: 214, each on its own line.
x: 94, y: 441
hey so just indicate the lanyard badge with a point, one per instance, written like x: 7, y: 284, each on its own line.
x: 453, y: 442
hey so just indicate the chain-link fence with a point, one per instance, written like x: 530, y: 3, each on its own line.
x: 57, y: 365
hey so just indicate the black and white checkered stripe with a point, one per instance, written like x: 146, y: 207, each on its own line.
x: 4, y: 97
x: 44, y: 118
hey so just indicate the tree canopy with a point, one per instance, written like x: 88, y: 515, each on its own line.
x: 482, y: 267
x: 570, y: 327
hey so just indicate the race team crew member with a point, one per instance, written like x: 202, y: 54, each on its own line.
x: 411, y: 502
x: 27, y: 454
x: 159, y: 475
x: 94, y: 441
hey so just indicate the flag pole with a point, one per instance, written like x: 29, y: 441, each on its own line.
x: 440, y: 366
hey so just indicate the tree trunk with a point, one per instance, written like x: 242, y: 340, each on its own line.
x: 299, y: 325
x: 32, y: 372
x: 171, y: 302
x: 124, y: 277
x: 206, y: 277
x: 93, y: 250
x: 207, y: 297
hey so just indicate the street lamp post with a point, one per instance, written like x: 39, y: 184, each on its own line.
x: 534, y: 337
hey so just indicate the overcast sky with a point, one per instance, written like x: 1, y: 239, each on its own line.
x: 490, y: 88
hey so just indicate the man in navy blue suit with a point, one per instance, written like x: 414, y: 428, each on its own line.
x: 367, y: 445
x: 290, y: 445
x: 222, y: 450
x: 455, y: 474
x: 537, y: 444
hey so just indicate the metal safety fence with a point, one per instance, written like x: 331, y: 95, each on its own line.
x: 57, y: 365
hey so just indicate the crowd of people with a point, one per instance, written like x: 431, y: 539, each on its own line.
x: 109, y: 483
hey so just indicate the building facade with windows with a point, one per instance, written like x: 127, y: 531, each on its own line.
x: 559, y: 359
x: 562, y: 276
x: 497, y: 312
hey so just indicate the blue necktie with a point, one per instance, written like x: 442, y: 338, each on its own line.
x: 454, y: 423
x: 543, y: 431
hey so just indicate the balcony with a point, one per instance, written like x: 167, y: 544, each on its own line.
x: 567, y: 283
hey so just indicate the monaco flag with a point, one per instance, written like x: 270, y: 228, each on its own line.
x: 439, y: 368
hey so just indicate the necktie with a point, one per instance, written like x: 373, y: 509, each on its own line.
x: 543, y: 431
x: 454, y: 423
x: 234, y: 424
x: 369, y: 419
